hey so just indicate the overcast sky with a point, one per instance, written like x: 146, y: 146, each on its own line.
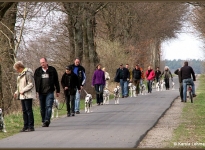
x: 187, y: 45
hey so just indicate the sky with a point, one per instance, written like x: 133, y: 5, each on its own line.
x: 187, y: 45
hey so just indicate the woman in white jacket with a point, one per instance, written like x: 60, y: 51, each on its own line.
x: 26, y: 93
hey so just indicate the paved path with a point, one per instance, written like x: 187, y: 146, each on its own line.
x: 108, y: 126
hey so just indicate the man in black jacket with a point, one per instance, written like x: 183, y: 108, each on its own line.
x: 136, y: 76
x: 70, y: 84
x: 123, y: 76
x: 80, y: 72
x: 186, y: 73
x: 46, y: 81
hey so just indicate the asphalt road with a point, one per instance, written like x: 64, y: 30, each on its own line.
x: 107, y: 126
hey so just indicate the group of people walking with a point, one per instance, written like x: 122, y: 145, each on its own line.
x: 41, y: 84
x: 44, y: 81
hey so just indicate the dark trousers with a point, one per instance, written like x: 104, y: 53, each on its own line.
x: 166, y: 80
x: 70, y: 103
x: 136, y: 83
x: 46, y: 104
x: 27, y: 113
x: 99, y: 93
x: 181, y: 90
x: 157, y: 79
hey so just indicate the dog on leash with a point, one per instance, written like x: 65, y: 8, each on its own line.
x: 2, y: 124
x: 173, y: 85
x: 106, y: 96
x: 88, y: 102
x: 56, y: 105
x: 143, y: 89
x: 116, y: 94
x: 157, y: 86
x: 162, y: 85
x: 133, y: 91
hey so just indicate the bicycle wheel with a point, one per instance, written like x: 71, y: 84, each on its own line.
x: 191, y: 96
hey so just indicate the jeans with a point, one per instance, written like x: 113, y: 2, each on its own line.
x: 46, y: 104
x: 27, y: 113
x: 185, y: 82
x: 124, y: 85
x: 149, y: 86
x: 99, y: 93
x: 70, y: 103
x: 77, y: 101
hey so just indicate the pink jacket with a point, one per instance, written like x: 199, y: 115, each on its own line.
x: 151, y: 75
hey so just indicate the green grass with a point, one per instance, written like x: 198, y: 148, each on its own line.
x: 14, y: 122
x: 191, y: 131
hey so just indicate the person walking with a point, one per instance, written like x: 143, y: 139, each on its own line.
x: 98, y: 81
x: 107, y: 77
x: 123, y: 76
x: 46, y: 80
x: 167, y: 74
x: 142, y: 75
x: 25, y: 92
x: 130, y: 80
x: 70, y: 84
x: 186, y: 73
x: 150, y: 75
x: 157, y: 75
x: 79, y: 70
x: 178, y: 72
x: 136, y: 74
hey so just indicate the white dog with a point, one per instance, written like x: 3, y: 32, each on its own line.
x: 157, y: 86
x: 56, y: 105
x: 116, y: 94
x: 173, y: 85
x: 162, y: 85
x: 143, y: 89
x: 2, y: 124
x: 88, y: 102
x: 133, y: 91
x: 153, y: 84
x: 106, y: 96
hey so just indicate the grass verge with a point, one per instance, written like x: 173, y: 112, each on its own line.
x: 190, y: 133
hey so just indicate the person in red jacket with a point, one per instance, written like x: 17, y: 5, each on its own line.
x: 150, y: 75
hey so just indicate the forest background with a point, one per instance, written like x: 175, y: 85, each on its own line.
x: 109, y: 33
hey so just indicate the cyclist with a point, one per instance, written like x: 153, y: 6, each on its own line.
x: 186, y: 73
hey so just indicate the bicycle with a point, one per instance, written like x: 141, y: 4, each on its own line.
x: 189, y: 90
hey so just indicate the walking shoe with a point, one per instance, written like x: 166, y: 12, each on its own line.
x: 73, y: 114
x: 122, y: 96
x: 46, y: 124
x: 31, y: 129
x: 68, y: 115
x: 194, y: 95
x: 77, y: 112
x: 24, y: 130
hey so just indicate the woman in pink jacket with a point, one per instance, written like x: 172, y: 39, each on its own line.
x: 150, y: 75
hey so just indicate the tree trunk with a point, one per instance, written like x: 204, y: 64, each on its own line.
x: 7, y: 78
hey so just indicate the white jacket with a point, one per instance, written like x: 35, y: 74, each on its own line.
x: 26, y: 84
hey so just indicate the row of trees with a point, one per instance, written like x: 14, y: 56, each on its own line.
x: 196, y: 64
x: 109, y: 33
